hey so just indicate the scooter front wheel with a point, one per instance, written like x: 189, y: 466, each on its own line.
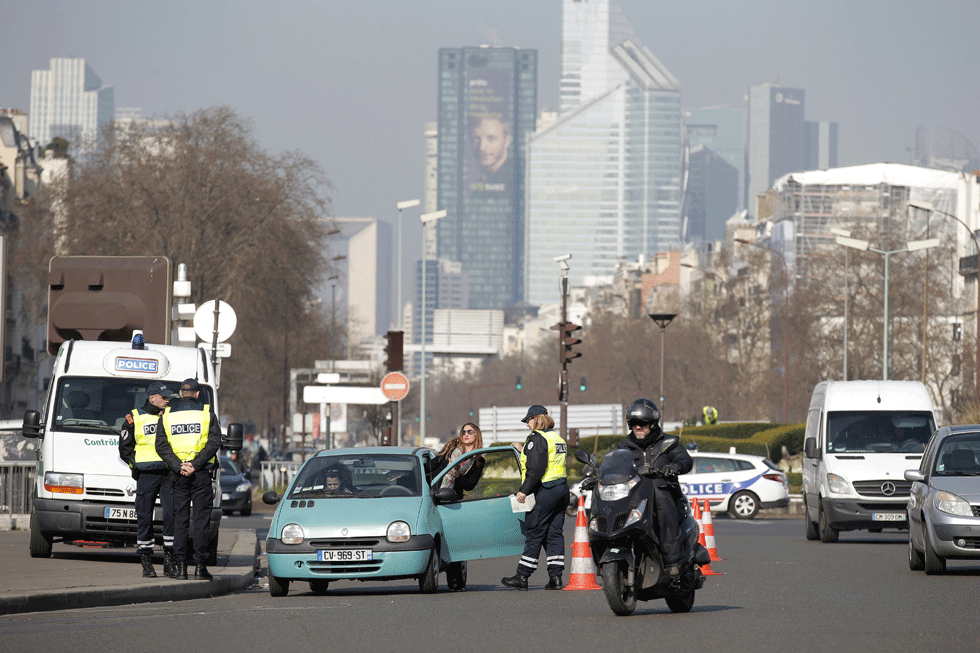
x: 621, y: 599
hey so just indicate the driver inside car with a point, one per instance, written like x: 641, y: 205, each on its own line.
x: 643, y: 418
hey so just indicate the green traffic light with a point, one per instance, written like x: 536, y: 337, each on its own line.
x: 517, y: 385
x: 581, y: 385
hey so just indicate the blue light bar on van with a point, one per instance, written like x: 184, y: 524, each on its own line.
x: 138, y: 341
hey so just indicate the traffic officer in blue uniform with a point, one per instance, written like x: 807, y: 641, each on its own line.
x: 543, y: 474
x: 137, y: 448
x: 188, y: 439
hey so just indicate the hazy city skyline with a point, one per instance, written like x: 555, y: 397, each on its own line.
x: 352, y: 82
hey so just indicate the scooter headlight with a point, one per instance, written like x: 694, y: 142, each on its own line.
x: 636, y: 514
x: 617, y: 491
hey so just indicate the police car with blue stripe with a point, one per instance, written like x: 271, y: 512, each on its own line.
x: 737, y: 483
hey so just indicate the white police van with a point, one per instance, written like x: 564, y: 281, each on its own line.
x: 84, y: 491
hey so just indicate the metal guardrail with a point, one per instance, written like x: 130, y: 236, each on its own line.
x: 276, y: 474
x: 17, y: 487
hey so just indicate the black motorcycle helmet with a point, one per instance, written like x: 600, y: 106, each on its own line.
x: 643, y: 412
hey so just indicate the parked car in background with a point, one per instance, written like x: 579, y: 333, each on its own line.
x: 944, y: 503
x: 737, y: 483
x: 236, y: 488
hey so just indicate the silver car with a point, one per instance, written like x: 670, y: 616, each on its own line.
x: 944, y: 505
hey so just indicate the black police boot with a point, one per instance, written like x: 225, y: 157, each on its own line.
x: 554, y: 583
x: 180, y: 572
x: 146, y: 559
x: 169, y: 563
x: 201, y: 573
x: 516, y: 581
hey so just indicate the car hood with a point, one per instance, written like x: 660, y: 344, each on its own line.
x: 965, y: 487
x: 349, y: 517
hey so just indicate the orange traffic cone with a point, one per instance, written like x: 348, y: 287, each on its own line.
x: 582, y: 575
x: 705, y: 569
x: 709, y: 533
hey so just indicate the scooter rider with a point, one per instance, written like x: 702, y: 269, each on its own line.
x: 643, y: 418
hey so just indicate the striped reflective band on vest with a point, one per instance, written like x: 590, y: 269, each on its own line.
x: 145, y: 430
x: 556, y: 458
x: 187, y: 431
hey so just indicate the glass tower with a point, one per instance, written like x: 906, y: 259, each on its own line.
x: 604, y: 179
x: 69, y: 101
x: 487, y: 108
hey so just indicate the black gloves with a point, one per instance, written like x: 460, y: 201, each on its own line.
x: 670, y: 471
x: 590, y: 483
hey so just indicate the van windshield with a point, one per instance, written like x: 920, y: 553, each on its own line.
x: 879, y: 432
x: 100, y: 404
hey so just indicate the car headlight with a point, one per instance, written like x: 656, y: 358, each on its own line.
x: 65, y: 483
x: 292, y: 534
x: 951, y: 504
x: 617, y: 491
x: 636, y: 514
x: 838, y: 484
x: 398, y: 531
x: 244, y: 486
x: 594, y: 524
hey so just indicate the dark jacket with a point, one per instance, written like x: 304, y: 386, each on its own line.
x: 677, y: 455
x: 127, y: 440
x: 203, y: 458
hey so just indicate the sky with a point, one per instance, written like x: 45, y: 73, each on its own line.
x: 350, y: 83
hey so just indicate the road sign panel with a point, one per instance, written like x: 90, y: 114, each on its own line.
x: 395, y: 386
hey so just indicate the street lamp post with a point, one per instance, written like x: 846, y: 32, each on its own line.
x: 864, y: 245
x: 925, y: 206
x: 785, y: 324
x: 407, y: 204
x: 425, y: 218
x: 662, y: 320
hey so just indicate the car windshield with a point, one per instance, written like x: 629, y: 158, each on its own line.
x: 879, y: 432
x: 100, y: 404
x: 617, y: 467
x: 959, y: 456
x: 359, y: 475
x: 228, y: 466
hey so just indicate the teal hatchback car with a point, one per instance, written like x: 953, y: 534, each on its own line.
x: 378, y: 513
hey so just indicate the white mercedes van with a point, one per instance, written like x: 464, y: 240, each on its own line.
x: 860, y: 438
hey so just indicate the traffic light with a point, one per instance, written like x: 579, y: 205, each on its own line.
x: 567, y: 341
x: 517, y: 385
x: 581, y: 385
x: 393, y: 350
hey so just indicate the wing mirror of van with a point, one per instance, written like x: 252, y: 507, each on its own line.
x: 234, y: 437
x: 810, y: 449
x: 32, y: 424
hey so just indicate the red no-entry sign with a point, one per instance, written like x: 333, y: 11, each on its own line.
x: 394, y: 386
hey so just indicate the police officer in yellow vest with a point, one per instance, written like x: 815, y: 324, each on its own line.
x: 188, y: 439
x: 543, y: 475
x: 137, y: 448
x: 710, y: 415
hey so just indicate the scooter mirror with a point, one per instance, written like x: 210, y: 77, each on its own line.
x: 583, y: 457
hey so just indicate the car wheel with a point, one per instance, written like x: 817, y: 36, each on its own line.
x: 227, y: 513
x: 828, y: 534
x: 456, y: 576
x: 40, y: 543
x: 743, y: 505
x: 812, y: 533
x: 917, y: 561
x: 247, y: 511
x: 319, y: 586
x: 429, y: 581
x: 934, y: 564
x: 278, y: 586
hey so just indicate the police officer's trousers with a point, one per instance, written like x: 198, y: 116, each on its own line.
x: 543, y: 527
x: 151, y: 483
x: 192, y: 491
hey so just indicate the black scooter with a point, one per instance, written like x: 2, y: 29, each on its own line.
x: 623, y: 534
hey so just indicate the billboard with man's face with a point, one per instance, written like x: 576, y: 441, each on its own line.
x: 489, y: 163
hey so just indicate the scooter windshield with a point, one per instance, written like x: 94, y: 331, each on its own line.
x: 617, y: 467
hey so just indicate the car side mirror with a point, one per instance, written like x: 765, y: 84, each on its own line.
x: 915, y: 476
x: 444, y: 495
x: 271, y: 498
x: 32, y: 424
x: 810, y: 449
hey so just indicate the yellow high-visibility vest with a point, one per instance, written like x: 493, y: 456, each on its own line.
x: 557, y: 450
x: 187, y: 431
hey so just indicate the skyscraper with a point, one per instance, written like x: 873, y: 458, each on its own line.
x: 604, y: 178
x: 487, y: 107
x: 69, y: 101
x: 774, y: 137
x: 821, y: 145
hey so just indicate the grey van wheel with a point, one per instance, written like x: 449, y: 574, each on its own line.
x: 828, y: 534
